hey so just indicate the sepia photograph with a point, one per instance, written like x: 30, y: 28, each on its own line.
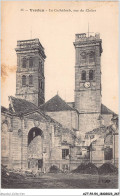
x: 59, y: 95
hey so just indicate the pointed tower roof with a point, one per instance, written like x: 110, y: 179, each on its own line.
x: 56, y: 104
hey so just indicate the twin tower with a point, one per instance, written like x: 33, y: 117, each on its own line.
x: 30, y: 79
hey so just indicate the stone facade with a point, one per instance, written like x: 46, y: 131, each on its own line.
x: 6, y: 136
x: 107, y: 119
x: 97, y: 152
x: 69, y: 119
x: 34, y: 141
x: 30, y: 80
x: 36, y: 135
x: 88, y: 80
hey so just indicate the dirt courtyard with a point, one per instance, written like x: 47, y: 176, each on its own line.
x: 64, y: 181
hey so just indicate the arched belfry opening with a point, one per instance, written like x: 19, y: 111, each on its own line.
x: 34, y: 132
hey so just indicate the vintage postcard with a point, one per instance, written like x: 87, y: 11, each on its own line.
x: 59, y: 97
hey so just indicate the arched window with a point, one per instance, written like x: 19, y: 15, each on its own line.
x: 39, y: 83
x: 23, y: 80
x: 91, y: 57
x: 83, y: 57
x: 24, y: 61
x: 30, y: 62
x: 42, y: 85
x: 91, y: 75
x: 39, y: 66
x: 42, y: 68
x: 30, y: 79
x: 83, y: 76
x: 34, y: 132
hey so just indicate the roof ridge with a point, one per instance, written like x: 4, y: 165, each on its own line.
x: 23, y: 100
x: 21, y: 106
x: 4, y: 109
x: 56, y: 103
x: 65, y: 102
x: 48, y: 100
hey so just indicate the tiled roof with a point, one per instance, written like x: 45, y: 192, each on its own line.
x: 56, y: 104
x: 71, y: 104
x: 21, y: 106
x: 105, y: 110
x: 3, y: 109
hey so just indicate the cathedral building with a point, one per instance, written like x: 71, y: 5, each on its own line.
x: 36, y: 135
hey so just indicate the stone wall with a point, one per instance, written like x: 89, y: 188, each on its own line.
x: 5, y: 144
x: 69, y: 119
x: 6, y: 135
x: 79, y: 153
x: 88, y: 122
x: 116, y: 150
x: 47, y: 147
x: 97, y: 152
x: 16, y: 153
x: 16, y: 143
x: 107, y: 119
x: 35, y: 92
x: 88, y: 101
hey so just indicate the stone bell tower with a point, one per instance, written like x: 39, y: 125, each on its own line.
x: 30, y: 80
x: 88, y: 80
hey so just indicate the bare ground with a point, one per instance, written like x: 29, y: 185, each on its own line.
x: 64, y: 181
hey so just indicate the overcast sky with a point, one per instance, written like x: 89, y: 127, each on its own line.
x: 56, y: 31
